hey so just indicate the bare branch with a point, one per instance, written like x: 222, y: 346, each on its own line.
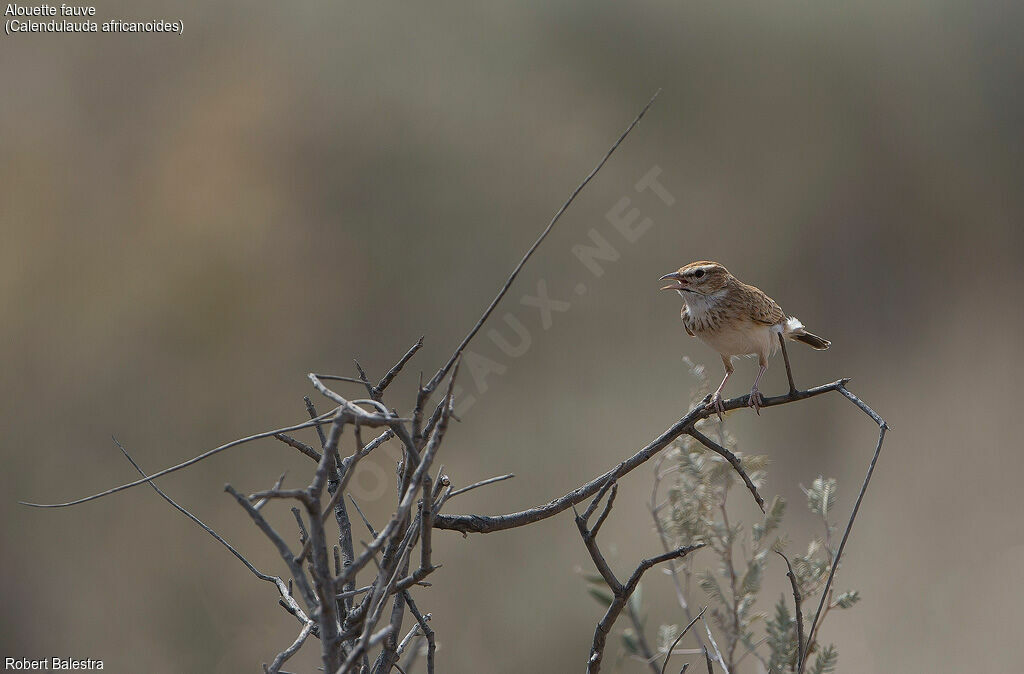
x: 366, y: 381
x: 186, y: 513
x: 406, y: 503
x: 681, y: 635
x: 800, y: 653
x: 732, y: 459
x: 607, y: 510
x: 362, y: 647
x: 406, y: 639
x: 373, y: 532
x: 421, y: 620
x: 352, y: 593
x: 882, y: 428
x: 287, y: 600
x: 185, y: 464
x: 481, y: 483
x: 486, y: 524
x: 595, y: 554
x: 311, y: 410
x: 393, y: 372
x: 622, y: 593
x: 348, y: 629
x: 328, y: 618
x: 426, y: 522
x: 338, y: 377
x: 283, y: 656
x: 282, y: 548
x: 303, y: 534
x: 714, y: 645
x: 351, y: 410
x: 301, y: 446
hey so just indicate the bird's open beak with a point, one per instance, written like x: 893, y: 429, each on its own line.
x: 677, y: 284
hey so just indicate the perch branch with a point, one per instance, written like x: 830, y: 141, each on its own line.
x: 484, y: 524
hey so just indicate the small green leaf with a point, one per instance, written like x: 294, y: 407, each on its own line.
x: 708, y: 583
x: 826, y: 661
x: 666, y: 635
x: 847, y: 599
x: 821, y: 497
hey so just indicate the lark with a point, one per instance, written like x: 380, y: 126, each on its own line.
x: 734, y: 319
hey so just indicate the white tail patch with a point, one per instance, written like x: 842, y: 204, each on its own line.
x: 792, y: 326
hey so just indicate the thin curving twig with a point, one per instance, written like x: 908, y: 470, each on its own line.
x: 686, y: 629
x: 482, y: 483
x: 436, y: 379
x: 882, y: 428
x: 322, y: 419
x: 732, y: 459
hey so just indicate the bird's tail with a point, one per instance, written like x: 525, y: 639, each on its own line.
x: 794, y: 329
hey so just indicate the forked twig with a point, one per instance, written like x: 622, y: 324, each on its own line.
x: 621, y: 592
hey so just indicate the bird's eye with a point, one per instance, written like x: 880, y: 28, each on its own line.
x: 698, y: 273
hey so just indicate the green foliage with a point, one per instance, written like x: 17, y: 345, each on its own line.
x: 825, y: 661
x: 846, y: 599
x: 697, y: 512
x: 821, y: 497
x: 780, y: 631
x: 666, y: 637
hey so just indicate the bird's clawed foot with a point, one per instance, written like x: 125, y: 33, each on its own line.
x: 715, y: 405
x: 755, y: 400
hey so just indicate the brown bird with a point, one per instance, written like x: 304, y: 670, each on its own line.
x: 734, y: 319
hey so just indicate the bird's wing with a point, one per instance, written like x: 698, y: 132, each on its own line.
x: 685, y: 315
x: 764, y: 309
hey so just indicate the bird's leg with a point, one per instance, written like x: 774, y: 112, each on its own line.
x: 716, y: 399
x: 755, y: 396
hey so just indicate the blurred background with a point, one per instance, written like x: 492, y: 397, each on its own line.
x: 191, y: 224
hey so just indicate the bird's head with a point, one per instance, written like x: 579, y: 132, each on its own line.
x: 702, y: 278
